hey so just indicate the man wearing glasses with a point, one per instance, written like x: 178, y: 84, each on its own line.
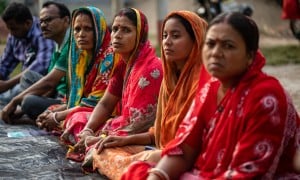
x: 26, y: 45
x: 50, y: 89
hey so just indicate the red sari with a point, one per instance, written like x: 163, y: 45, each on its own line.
x: 290, y: 9
x: 253, y: 133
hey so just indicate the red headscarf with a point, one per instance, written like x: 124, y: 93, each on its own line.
x: 252, y: 134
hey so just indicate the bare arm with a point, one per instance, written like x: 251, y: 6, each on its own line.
x: 5, y: 85
x: 102, y: 111
x: 99, y: 116
x: 175, y: 165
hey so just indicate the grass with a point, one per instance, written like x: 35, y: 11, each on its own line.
x: 16, y: 71
x: 282, y: 55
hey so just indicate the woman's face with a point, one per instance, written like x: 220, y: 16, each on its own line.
x: 123, y: 36
x: 176, y: 42
x: 84, y: 32
x: 224, y: 53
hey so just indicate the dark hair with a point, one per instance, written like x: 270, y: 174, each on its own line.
x: 129, y: 13
x: 85, y: 12
x: 244, y: 25
x: 18, y: 12
x: 63, y: 9
x: 185, y: 23
x: 82, y: 11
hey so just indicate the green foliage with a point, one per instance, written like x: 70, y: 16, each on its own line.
x: 157, y: 49
x: 2, y: 5
x: 282, y: 55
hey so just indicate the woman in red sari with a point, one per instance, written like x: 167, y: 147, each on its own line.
x: 134, y: 85
x: 241, y: 125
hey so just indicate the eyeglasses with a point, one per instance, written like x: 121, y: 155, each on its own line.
x: 48, y: 20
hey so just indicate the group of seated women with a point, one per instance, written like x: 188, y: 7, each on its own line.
x: 204, y: 110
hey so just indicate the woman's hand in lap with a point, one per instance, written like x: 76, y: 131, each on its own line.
x: 46, y: 121
x: 111, y: 141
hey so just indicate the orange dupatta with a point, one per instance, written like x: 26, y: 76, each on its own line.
x: 176, y: 94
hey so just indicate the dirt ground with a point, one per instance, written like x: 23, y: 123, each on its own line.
x: 288, y: 75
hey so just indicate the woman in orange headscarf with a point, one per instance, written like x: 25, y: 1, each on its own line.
x: 182, y: 40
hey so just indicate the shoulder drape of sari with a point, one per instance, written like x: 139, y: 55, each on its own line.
x: 88, y: 79
x: 143, y: 75
x: 139, y: 95
x: 252, y: 134
x: 177, y: 93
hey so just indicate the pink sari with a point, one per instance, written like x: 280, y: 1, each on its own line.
x: 139, y: 96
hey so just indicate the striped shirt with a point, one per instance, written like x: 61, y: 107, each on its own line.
x: 33, y: 52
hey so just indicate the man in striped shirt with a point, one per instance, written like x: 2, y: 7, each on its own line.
x: 25, y: 45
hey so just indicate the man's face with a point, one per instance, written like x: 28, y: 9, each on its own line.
x: 53, y: 26
x: 18, y: 30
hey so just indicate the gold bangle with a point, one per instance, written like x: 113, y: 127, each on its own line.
x: 103, y: 136
x: 70, y: 149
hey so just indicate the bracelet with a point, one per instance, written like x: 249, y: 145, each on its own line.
x: 54, y: 118
x: 160, y: 173
x: 89, y: 130
x: 103, y: 135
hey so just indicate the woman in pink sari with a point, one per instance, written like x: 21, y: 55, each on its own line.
x: 133, y: 89
x: 241, y: 125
